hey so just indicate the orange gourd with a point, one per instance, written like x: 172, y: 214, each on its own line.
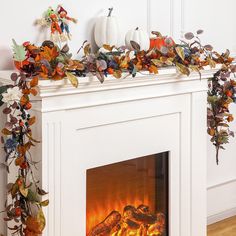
x: 161, y: 41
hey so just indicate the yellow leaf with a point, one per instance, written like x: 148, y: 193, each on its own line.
x: 169, y: 61
x: 124, y: 63
x: 117, y: 74
x: 107, y: 47
x: 87, y: 49
x: 14, y: 190
x: 44, y: 203
x: 41, y: 220
x: 182, y: 69
x: 73, y: 79
x: 180, y: 52
x: 195, y: 68
x: 157, y: 62
x: 5, y: 131
x: 211, y: 63
x: 24, y: 191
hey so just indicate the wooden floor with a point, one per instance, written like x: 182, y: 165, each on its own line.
x: 224, y: 228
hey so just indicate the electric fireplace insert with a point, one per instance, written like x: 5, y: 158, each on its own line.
x: 128, y: 198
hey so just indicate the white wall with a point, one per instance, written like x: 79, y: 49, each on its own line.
x: 172, y: 17
x: 217, y: 18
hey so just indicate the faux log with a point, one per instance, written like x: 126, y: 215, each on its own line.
x: 106, y: 226
x: 132, y: 213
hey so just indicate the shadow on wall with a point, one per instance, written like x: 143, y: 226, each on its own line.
x: 91, y: 26
x: 6, y: 62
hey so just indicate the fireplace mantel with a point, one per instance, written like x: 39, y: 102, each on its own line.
x: 99, y: 124
x: 167, y: 82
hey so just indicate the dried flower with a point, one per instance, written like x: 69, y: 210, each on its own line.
x: 12, y: 95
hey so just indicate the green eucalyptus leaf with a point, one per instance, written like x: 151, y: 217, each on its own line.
x: 19, y: 52
x: 3, y: 89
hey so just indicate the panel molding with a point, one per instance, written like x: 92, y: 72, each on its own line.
x: 177, y: 18
x: 149, y: 16
x: 51, y: 175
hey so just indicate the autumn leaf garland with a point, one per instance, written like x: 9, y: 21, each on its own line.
x: 51, y: 62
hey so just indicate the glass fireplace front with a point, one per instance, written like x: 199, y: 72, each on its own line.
x: 128, y: 198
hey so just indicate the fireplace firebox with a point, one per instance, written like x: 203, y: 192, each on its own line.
x: 128, y: 198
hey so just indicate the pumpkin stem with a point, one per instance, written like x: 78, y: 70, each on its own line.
x: 136, y: 28
x: 110, y: 11
x: 158, y: 34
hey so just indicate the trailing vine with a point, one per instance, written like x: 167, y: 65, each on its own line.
x: 49, y: 61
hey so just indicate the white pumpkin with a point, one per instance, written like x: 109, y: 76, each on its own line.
x: 139, y: 36
x: 107, y: 30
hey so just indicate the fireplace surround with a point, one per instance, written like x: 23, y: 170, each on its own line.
x: 96, y: 126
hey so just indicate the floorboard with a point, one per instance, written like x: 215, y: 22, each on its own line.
x: 224, y: 228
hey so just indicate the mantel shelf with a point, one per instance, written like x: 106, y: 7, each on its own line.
x: 87, y: 84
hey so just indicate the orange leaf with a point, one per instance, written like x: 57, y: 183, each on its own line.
x: 34, y: 82
x: 32, y: 120
x: 37, y: 58
x: 44, y: 73
x: 21, y: 150
x: 153, y: 69
x: 49, y: 53
x: 24, y: 100
x: 19, y: 161
x: 25, y: 91
x: 57, y: 77
x: 19, y: 65
x: 33, y: 91
x: 33, y: 225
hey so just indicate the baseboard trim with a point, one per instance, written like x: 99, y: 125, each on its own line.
x: 221, y: 216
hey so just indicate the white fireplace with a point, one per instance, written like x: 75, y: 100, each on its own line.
x: 97, y: 125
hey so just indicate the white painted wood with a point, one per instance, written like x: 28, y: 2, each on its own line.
x: 198, y: 162
x: 93, y: 126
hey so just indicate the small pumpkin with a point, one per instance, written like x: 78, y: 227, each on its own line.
x: 140, y: 37
x: 160, y: 41
x: 107, y: 30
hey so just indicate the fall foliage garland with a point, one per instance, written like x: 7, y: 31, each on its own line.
x: 49, y: 61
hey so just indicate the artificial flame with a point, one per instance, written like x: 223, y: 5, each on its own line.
x: 130, y: 221
x: 99, y: 212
